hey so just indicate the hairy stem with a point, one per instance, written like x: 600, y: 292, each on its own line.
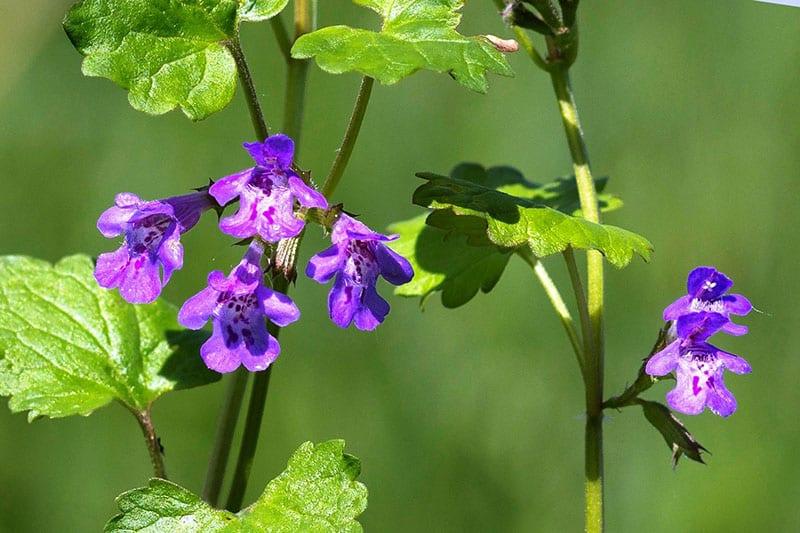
x: 350, y: 136
x: 594, y: 356
x: 557, y: 301
x: 250, y: 94
x: 226, y: 425
x: 152, y: 441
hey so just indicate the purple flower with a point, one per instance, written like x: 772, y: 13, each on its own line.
x: 357, y: 257
x: 266, y: 193
x: 152, y: 250
x: 698, y: 366
x: 707, y: 287
x: 239, y: 306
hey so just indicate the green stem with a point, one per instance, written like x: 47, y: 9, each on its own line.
x: 557, y: 301
x: 297, y: 73
x: 226, y: 425
x: 281, y: 36
x: 594, y: 357
x: 350, y: 136
x: 252, y: 425
x: 250, y: 94
x: 152, y: 441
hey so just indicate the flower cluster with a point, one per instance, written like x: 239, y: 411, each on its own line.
x: 698, y: 365
x: 272, y: 198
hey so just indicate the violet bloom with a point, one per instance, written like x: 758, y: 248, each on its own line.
x: 266, y: 193
x: 357, y: 257
x: 239, y: 306
x: 698, y: 366
x: 152, y: 250
x: 707, y: 287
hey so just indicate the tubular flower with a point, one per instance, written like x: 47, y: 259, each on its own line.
x: 707, y: 288
x: 698, y: 366
x: 152, y: 250
x: 239, y: 306
x: 267, y: 193
x: 356, y: 258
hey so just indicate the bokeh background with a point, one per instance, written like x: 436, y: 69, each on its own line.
x: 468, y: 419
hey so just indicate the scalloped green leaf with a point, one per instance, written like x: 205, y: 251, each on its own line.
x: 68, y: 347
x: 317, y: 492
x: 258, y: 10
x: 415, y: 34
x: 460, y: 263
x: 166, y: 53
x: 483, y: 213
x: 445, y: 262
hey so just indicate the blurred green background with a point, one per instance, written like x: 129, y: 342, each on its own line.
x: 465, y: 420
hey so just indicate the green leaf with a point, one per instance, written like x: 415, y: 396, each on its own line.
x: 317, y: 492
x: 68, y: 346
x: 415, y: 34
x: 459, y: 263
x: 258, y: 10
x: 677, y: 437
x: 483, y: 213
x: 167, y: 53
x: 560, y: 194
x: 445, y: 262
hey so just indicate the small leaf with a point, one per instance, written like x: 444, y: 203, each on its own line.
x: 446, y: 263
x: 316, y: 492
x: 510, y: 222
x: 166, y: 53
x: 258, y: 10
x: 68, y: 346
x: 678, y: 438
x: 415, y: 34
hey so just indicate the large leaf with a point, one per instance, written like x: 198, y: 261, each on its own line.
x: 446, y: 263
x: 317, y: 493
x: 167, y: 53
x: 258, y: 10
x: 483, y: 213
x: 415, y: 34
x: 444, y: 260
x: 68, y: 347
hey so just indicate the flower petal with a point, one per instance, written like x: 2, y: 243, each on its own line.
x: 373, y: 311
x: 343, y: 302
x: 325, y: 264
x: 736, y: 304
x: 171, y: 254
x: 720, y: 400
x: 217, y: 356
x: 197, y: 310
x: 114, y: 221
x: 681, y: 306
x: 734, y: 363
x: 663, y: 362
x: 281, y: 147
x: 707, y: 283
x: 243, y: 223
x: 394, y: 267
x: 278, y: 307
x: 259, y: 356
x: 307, y: 196
x: 226, y: 189
x: 110, y: 267
x: 688, y: 396
x: 736, y: 330
x: 141, y: 283
x: 700, y: 326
